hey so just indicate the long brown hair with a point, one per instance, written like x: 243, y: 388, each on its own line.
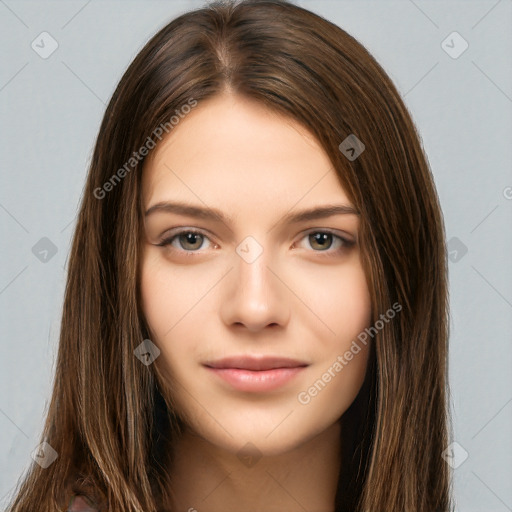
x: 107, y: 420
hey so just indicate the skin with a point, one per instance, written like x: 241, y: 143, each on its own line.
x: 299, y: 299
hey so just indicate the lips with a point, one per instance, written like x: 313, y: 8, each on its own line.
x: 255, y: 363
x: 255, y: 374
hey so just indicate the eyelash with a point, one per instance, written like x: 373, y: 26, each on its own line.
x: 346, y: 244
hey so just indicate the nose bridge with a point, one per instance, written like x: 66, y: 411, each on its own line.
x: 257, y: 297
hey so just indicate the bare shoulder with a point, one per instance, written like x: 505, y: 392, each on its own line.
x: 80, y: 504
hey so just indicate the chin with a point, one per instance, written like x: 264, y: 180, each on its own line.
x: 248, y: 439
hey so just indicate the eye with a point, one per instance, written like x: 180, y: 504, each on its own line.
x: 188, y: 240
x: 323, y: 241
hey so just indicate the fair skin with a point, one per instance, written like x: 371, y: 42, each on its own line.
x: 304, y: 297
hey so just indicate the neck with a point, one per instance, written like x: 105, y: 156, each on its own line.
x: 207, y: 478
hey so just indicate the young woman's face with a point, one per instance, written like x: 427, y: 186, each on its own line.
x: 288, y: 295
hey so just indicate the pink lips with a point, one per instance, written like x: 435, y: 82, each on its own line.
x: 252, y: 374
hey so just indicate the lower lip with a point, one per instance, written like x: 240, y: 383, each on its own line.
x: 257, y: 381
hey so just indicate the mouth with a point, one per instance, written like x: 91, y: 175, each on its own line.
x: 254, y: 363
x: 250, y: 374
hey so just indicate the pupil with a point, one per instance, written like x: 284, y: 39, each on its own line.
x: 322, y: 238
x: 190, y: 238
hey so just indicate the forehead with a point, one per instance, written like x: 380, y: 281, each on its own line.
x: 233, y: 152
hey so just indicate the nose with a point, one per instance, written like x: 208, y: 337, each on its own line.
x: 255, y: 296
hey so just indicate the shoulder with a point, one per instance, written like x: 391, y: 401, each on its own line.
x: 80, y: 504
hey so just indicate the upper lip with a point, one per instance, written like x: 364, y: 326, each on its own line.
x: 255, y: 363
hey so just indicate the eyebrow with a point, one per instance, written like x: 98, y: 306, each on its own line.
x: 318, y: 212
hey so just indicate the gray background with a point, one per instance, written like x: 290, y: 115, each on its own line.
x: 51, y: 110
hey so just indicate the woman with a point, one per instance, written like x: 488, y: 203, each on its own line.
x: 255, y: 315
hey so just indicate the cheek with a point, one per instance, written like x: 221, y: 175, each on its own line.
x: 154, y: 300
x: 162, y: 309
x: 339, y: 301
x: 162, y: 306
x: 341, y: 356
x: 173, y: 308
x: 342, y: 311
